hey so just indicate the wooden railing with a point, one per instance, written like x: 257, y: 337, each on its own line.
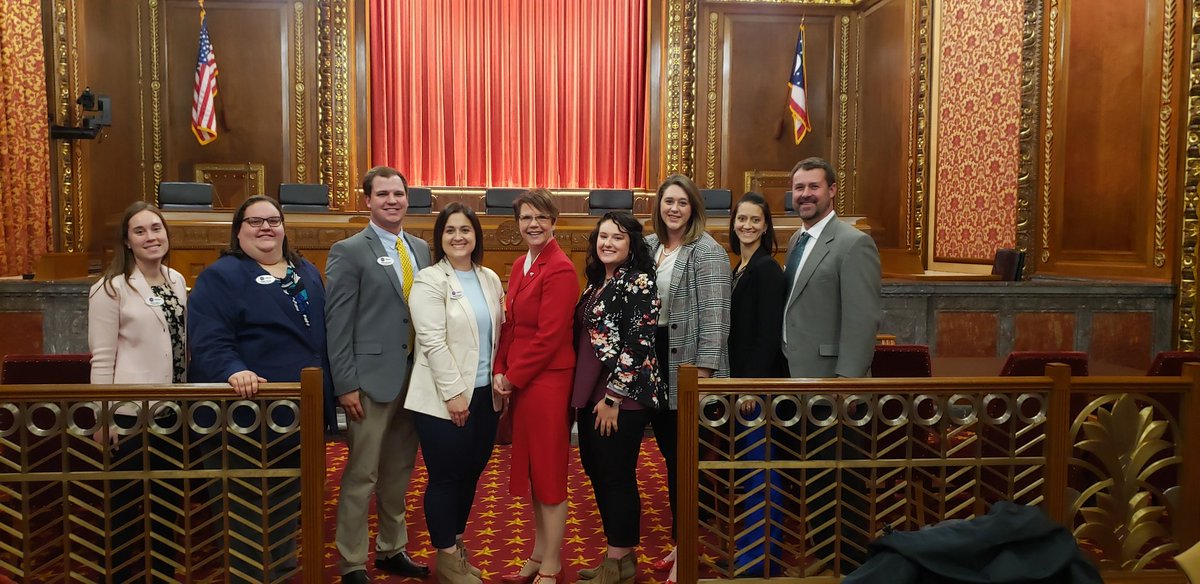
x: 832, y: 463
x: 200, y: 483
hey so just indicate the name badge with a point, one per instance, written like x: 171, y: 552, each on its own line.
x: 265, y: 279
x: 154, y: 301
x: 385, y: 261
x: 455, y: 294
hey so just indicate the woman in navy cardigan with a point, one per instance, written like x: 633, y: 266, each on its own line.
x: 257, y: 315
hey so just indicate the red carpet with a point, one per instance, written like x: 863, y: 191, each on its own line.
x: 500, y: 533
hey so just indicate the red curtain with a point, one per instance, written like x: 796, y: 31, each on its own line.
x: 519, y: 93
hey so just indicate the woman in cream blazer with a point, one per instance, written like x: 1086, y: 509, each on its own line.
x: 456, y: 311
x: 137, y: 335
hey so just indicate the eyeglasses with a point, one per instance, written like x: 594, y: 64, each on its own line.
x: 527, y: 219
x: 257, y: 222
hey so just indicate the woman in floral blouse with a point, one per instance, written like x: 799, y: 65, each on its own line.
x: 617, y: 384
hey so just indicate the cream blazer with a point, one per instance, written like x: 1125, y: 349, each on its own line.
x: 129, y: 338
x: 447, y: 354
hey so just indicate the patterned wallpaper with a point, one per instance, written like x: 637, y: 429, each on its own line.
x: 978, y: 110
x: 24, y: 151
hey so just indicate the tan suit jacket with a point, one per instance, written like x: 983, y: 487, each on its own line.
x: 448, y: 342
x: 129, y: 338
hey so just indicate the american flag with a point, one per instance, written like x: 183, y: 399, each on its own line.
x: 798, y: 100
x: 204, y: 115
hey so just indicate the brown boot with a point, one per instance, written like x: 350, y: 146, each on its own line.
x: 452, y: 569
x: 466, y: 558
x: 610, y: 571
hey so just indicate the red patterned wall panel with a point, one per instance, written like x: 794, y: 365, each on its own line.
x: 979, y: 108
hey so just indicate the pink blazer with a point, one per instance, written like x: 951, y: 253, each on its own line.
x: 129, y: 339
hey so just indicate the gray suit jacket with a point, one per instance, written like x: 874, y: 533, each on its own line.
x: 366, y: 318
x: 698, y: 325
x: 833, y: 310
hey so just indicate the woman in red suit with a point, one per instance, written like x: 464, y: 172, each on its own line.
x: 535, y: 367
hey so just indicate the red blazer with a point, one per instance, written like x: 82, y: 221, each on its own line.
x: 536, y: 335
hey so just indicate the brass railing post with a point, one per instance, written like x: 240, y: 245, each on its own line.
x: 1058, y: 443
x: 688, y: 460
x: 1187, y: 528
x: 312, y: 474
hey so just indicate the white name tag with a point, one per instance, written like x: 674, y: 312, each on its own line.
x: 385, y: 261
x: 265, y: 279
x: 154, y: 301
x: 456, y: 294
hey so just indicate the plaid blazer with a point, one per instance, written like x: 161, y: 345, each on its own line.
x: 699, y: 308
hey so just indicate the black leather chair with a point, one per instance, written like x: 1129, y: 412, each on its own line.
x: 304, y: 198
x: 717, y: 202
x: 499, y: 201
x: 185, y: 196
x: 420, y: 200
x: 601, y: 201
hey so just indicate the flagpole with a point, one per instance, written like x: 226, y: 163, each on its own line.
x: 786, y: 120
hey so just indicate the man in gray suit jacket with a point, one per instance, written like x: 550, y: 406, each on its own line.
x: 370, y: 336
x: 830, y: 318
x: 832, y: 310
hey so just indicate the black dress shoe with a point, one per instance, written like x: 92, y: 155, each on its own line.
x: 402, y: 564
x: 356, y: 577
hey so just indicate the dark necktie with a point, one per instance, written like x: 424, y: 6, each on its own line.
x: 793, y: 261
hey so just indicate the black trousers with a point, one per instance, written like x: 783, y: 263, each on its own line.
x: 455, y: 458
x: 666, y: 422
x: 130, y: 511
x: 611, y: 464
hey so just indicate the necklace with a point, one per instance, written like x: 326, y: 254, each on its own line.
x: 664, y: 255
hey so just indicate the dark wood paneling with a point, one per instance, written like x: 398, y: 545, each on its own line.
x: 1044, y: 331
x: 1123, y: 338
x: 885, y: 101
x: 113, y: 176
x: 23, y: 333
x: 252, y: 44
x: 967, y: 334
x: 743, y: 123
x: 1105, y: 162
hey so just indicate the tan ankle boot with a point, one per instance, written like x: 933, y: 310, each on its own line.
x: 466, y: 558
x: 611, y: 571
x: 452, y: 569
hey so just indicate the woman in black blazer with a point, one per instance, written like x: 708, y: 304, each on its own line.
x: 756, y: 311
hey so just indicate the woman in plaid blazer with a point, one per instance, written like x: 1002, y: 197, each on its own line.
x: 693, y: 284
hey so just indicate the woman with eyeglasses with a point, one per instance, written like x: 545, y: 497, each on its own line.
x: 136, y: 335
x: 534, y: 369
x: 257, y: 315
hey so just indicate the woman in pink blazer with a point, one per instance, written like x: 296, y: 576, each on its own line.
x: 136, y: 334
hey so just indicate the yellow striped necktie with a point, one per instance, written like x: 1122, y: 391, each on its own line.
x: 406, y: 267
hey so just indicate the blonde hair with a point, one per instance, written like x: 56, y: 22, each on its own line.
x: 696, y: 221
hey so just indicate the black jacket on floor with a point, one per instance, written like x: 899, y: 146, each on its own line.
x: 1012, y: 544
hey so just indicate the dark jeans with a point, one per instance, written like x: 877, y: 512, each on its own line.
x: 131, y: 515
x: 455, y: 458
x: 666, y: 422
x: 611, y: 464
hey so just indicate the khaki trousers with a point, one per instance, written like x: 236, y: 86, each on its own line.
x: 383, y: 450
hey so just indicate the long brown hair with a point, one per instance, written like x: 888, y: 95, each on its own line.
x: 696, y: 221
x: 123, y: 261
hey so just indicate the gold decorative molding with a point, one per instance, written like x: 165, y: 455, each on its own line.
x: 802, y: 2
x: 298, y: 133
x: 141, y: 108
x: 843, y: 106
x: 1048, y: 132
x: 713, y: 84
x: 1166, y: 123
x: 680, y: 105
x: 1189, y: 237
x: 918, y: 193
x: 156, y: 139
x: 64, y: 67
x: 1031, y: 67
x: 333, y: 91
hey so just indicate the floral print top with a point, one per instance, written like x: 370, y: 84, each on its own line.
x: 620, y: 318
x: 174, y: 315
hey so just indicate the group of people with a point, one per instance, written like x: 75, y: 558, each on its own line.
x: 427, y: 349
